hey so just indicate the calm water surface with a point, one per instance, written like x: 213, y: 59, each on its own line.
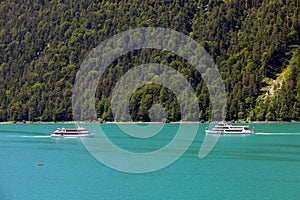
x: 264, y: 166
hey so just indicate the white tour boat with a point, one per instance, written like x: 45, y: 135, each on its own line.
x: 71, y: 132
x: 227, y: 129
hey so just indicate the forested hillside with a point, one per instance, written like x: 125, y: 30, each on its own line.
x: 255, y: 44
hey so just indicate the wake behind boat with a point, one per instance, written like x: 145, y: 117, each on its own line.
x: 227, y: 129
x: 71, y: 132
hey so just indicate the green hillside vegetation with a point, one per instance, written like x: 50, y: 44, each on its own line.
x: 255, y: 44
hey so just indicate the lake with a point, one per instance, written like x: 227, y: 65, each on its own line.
x: 262, y: 166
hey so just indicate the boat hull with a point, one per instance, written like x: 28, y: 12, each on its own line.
x: 71, y: 135
x: 228, y: 133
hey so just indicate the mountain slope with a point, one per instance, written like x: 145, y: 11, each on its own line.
x: 42, y: 44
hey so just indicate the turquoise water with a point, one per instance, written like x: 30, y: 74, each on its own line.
x: 264, y: 166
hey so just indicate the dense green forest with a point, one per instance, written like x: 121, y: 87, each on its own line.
x: 255, y: 44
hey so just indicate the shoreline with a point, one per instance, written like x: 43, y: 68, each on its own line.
x: 180, y: 122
